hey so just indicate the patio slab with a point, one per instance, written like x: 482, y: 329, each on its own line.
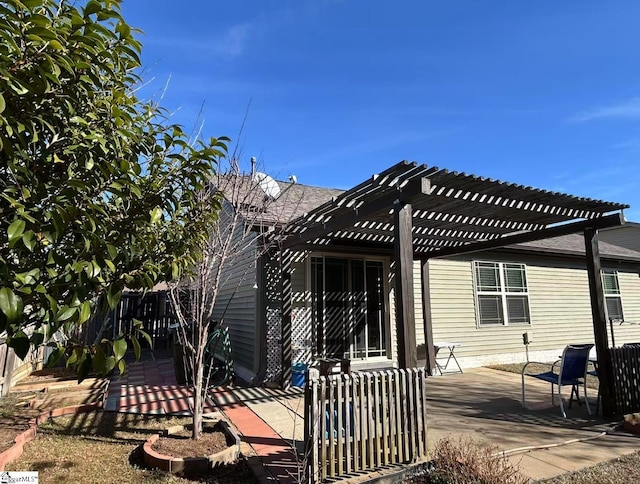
x: 483, y: 404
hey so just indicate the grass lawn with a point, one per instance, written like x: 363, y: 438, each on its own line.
x: 15, y: 411
x: 533, y: 368
x: 622, y: 470
x: 101, y: 447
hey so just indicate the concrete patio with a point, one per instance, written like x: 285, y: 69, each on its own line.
x: 483, y: 404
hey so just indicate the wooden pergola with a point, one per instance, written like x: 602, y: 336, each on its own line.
x: 416, y: 212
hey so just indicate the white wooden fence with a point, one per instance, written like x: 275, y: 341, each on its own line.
x: 363, y: 421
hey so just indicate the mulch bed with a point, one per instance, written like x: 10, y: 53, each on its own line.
x: 182, y: 445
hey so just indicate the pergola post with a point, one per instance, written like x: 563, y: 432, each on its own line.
x: 598, y: 312
x: 405, y: 312
x: 430, y: 354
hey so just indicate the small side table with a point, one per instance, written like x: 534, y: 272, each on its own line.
x: 451, y: 348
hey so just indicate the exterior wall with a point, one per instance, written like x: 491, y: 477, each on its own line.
x: 625, y: 236
x: 236, y: 304
x: 559, y: 305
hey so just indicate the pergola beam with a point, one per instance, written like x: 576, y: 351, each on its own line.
x: 360, y: 212
x: 612, y: 220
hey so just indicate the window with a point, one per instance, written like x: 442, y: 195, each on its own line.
x: 613, y: 299
x: 502, y: 297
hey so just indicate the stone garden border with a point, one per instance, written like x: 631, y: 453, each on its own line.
x: 192, y: 465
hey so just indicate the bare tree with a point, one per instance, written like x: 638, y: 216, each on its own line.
x: 254, y: 210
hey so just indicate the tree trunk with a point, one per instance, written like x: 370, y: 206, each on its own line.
x: 198, y: 401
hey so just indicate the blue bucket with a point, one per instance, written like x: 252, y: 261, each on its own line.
x: 298, y: 371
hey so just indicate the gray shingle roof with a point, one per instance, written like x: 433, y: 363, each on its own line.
x: 573, y: 244
x: 295, y: 199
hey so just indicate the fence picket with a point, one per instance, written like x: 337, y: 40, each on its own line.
x: 392, y: 418
x: 340, y: 409
x: 356, y: 422
x: 385, y: 418
x: 315, y: 439
x: 364, y: 424
x: 348, y: 425
x: 324, y: 431
x: 332, y: 428
x: 399, y: 413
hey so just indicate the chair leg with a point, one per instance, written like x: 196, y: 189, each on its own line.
x: 574, y: 391
x: 564, y: 414
x: 585, y: 397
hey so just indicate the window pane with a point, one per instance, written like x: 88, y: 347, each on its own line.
x: 490, y: 310
x: 614, y: 308
x: 610, y: 283
x: 515, y: 278
x: 487, y: 276
x: 518, y: 309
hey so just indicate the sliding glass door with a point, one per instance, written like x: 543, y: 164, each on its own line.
x: 348, y: 307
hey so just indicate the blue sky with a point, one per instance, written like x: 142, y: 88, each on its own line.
x: 542, y: 93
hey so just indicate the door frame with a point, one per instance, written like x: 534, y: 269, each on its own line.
x: 386, y: 271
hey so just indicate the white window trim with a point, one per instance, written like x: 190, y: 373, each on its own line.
x: 618, y: 295
x: 503, y: 293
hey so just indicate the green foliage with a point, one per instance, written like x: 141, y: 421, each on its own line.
x: 98, y: 190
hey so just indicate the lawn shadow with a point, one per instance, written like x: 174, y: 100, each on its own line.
x: 113, y: 426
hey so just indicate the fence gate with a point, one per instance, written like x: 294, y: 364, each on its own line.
x: 152, y: 308
x: 364, y: 421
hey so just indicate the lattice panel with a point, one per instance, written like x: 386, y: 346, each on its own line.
x: 274, y: 345
x: 273, y: 319
x: 301, y: 343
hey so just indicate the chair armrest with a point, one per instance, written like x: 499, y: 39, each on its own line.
x: 524, y: 368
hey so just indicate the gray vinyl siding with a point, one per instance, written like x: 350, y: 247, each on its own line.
x: 558, y: 299
x: 236, y: 301
x: 626, y: 236
x: 417, y: 304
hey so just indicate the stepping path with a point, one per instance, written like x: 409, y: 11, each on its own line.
x: 277, y: 456
x: 150, y: 387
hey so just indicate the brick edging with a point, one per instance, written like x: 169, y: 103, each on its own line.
x: 15, y: 451
x: 200, y: 465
